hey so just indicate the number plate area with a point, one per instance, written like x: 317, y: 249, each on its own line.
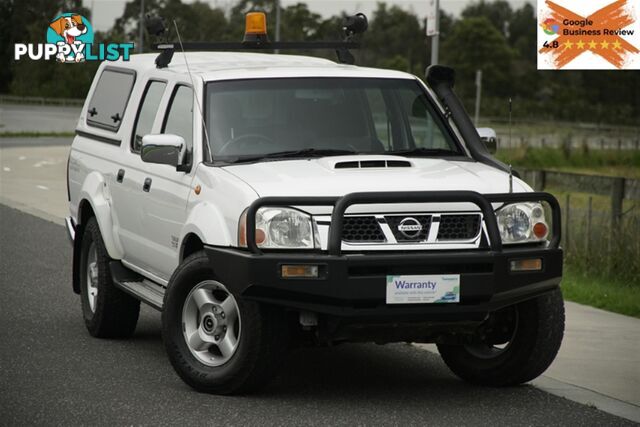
x: 423, y: 289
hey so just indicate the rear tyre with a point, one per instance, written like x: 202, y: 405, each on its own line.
x: 217, y: 342
x: 108, y: 312
x: 527, y: 340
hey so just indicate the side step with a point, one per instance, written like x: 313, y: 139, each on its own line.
x: 137, y: 286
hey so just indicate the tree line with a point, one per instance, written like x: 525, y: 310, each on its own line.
x: 490, y: 36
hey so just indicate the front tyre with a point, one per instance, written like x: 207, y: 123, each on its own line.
x: 519, y: 345
x: 219, y: 343
x: 108, y: 312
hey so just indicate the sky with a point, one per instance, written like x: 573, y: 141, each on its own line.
x: 105, y: 12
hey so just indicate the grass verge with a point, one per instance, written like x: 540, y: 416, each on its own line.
x: 632, y: 172
x: 35, y: 134
x: 624, y: 163
x: 599, y: 292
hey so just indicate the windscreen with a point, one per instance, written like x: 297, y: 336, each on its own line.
x: 297, y: 117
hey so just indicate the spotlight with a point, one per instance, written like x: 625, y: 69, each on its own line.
x: 356, y: 24
x: 155, y: 25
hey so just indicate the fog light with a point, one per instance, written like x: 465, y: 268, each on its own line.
x: 299, y: 271
x: 531, y: 264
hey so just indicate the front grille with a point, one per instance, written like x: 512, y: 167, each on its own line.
x: 408, y: 236
x: 459, y: 227
x: 361, y: 229
x: 371, y: 228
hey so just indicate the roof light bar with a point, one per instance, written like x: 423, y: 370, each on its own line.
x: 225, y: 46
x: 255, y: 38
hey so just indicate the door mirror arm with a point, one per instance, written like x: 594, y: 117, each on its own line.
x: 186, y: 165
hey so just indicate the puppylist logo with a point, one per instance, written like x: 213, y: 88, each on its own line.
x: 70, y: 40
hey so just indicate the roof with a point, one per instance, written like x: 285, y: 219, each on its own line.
x: 226, y: 65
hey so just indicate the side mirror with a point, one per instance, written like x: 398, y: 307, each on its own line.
x: 489, y: 138
x: 163, y: 149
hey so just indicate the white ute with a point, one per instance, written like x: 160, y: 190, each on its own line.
x: 263, y: 200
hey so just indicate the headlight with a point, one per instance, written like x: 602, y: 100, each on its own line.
x: 283, y: 228
x: 522, y: 223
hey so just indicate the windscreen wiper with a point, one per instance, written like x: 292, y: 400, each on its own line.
x: 425, y: 152
x: 305, y: 152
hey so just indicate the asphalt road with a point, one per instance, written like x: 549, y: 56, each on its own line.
x: 52, y: 372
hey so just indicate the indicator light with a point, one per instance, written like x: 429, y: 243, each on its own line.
x: 540, y: 230
x: 530, y: 264
x: 299, y: 271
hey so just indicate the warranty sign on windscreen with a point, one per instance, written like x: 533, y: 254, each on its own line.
x: 588, y: 35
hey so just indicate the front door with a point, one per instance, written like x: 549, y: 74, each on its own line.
x: 164, y: 202
x: 129, y: 173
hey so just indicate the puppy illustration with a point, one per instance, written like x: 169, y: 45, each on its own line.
x: 69, y: 27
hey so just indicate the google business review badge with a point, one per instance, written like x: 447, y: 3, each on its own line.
x: 588, y: 35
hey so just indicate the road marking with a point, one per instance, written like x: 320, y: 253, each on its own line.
x: 42, y: 187
x: 43, y: 163
x: 22, y: 158
x: 6, y: 169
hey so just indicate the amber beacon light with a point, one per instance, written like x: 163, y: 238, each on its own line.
x: 255, y: 29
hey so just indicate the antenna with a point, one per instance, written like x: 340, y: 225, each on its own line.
x: 510, y: 110
x: 510, y: 179
x: 510, y: 168
x: 195, y: 92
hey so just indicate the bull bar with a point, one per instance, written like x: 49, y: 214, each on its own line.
x: 341, y: 204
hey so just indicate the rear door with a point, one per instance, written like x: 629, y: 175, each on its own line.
x: 108, y: 113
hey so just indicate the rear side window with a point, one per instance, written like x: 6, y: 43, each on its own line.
x: 179, y: 119
x: 147, y: 113
x: 109, y: 100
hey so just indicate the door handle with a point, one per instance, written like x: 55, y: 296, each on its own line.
x: 120, y: 175
x: 147, y: 185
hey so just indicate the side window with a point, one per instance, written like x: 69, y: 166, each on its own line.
x: 147, y: 113
x: 109, y: 100
x: 179, y: 117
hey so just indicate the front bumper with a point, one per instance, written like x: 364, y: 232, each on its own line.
x: 354, y: 285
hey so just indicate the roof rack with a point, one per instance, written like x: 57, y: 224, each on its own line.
x: 256, y: 39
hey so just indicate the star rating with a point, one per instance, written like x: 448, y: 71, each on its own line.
x: 604, y: 44
x: 593, y: 44
x: 580, y: 44
x: 617, y: 45
x: 567, y: 44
